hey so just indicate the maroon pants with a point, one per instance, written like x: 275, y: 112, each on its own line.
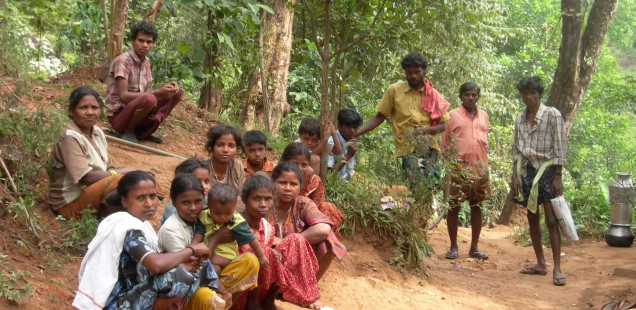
x: 161, y: 108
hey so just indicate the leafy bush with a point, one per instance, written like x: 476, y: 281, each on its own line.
x: 80, y: 232
x: 359, y: 201
x: 25, y: 149
x: 10, y: 287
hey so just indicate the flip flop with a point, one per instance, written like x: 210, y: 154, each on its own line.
x: 478, y: 255
x: 559, y: 281
x: 451, y: 255
x: 534, y: 271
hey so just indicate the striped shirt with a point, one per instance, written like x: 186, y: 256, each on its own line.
x: 136, y: 72
x: 544, y: 141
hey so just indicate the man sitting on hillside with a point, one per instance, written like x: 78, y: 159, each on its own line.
x: 133, y: 108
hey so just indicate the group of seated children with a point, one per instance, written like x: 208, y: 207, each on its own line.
x: 273, y: 211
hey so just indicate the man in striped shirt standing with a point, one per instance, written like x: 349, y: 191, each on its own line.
x: 539, y: 150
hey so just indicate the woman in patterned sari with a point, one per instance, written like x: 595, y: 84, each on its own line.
x: 298, y: 214
x: 123, y: 269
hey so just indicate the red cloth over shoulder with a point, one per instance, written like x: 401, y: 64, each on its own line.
x: 433, y: 103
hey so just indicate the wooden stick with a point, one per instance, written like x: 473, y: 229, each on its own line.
x: 9, y: 89
x: 20, y: 205
x: 142, y: 147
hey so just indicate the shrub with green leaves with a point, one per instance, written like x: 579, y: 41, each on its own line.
x: 80, y: 231
x: 359, y: 201
x: 13, y: 284
x: 25, y: 149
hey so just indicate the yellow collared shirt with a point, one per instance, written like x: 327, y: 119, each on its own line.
x: 402, y: 105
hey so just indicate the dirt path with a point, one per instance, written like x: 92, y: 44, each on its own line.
x: 596, y: 273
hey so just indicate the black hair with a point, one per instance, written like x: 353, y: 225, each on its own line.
x: 81, y: 92
x: 223, y: 193
x: 145, y: 28
x: 184, y: 183
x: 254, y: 137
x: 256, y: 182
x: 349, y: 117
x: 530, y: 83
x: 221, y: 130
x: 131, y: 179
x: 309, y: 126
x: 414, y: 59
x: 189, y: 165
x: 469, y: 86
x: 295, y: 149
x: 287, y: 167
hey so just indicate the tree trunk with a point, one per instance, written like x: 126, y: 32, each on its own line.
x: 578, y: 54
x: 275, y: 50
x: 507, y: 211
x: 253, y: 110
x: 104, y: 74
x: 210, y: 98
x: 119, y: 15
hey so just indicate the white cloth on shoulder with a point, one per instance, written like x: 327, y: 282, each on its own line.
x: 99, y: 271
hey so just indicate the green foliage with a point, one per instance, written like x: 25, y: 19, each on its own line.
x: 80, y: 232
x: 622, y: 30
x: 359, y: 202
x: 32, y: 143
x: 85, y: 36
x: 13, y: 50
x: 13, y: 283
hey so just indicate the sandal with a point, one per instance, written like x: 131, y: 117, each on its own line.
x: 451, y: 255
x: 559, y: 281
x: 532, y: 270
x: 478, y: 255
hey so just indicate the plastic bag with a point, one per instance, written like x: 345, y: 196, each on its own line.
x: 564, y: 217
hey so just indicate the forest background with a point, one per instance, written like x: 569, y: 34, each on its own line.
x: 321, y: 56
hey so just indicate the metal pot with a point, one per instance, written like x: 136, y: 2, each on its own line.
x: 622, y: 194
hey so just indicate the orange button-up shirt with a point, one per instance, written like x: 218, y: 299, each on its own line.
x: 469, y: 136
x: 268, y: 167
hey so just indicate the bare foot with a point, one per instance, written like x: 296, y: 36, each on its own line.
x: 316, y: 305
x: 271, y: 306
x: 268, y: 302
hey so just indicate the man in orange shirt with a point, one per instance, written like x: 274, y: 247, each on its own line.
x: 466, y: 140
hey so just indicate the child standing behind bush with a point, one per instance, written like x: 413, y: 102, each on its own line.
x: 310, y: 135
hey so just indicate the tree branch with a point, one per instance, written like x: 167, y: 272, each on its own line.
x: 592, y: 39
x: 314, y: 31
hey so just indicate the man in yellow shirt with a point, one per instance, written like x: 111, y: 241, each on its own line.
x: 403, y: 104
